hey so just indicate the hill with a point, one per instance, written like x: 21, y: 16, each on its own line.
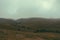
x: 30, y: 29
x: 39, y: 25
x: 7, y: 23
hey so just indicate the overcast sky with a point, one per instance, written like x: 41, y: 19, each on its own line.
x: 29, y: 8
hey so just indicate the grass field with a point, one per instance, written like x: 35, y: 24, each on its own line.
x: 19, y: 35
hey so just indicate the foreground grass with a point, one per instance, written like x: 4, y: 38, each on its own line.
x: 19, y: 35
x: 42, y: 36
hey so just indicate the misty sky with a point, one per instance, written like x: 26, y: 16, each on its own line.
x: 29, y: 8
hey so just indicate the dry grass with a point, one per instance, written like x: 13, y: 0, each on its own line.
x: 19, y: 35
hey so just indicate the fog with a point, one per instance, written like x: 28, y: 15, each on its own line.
x: 29, y: 8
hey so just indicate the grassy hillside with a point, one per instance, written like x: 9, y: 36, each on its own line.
x: 39, y: 25
x: 30, y: 29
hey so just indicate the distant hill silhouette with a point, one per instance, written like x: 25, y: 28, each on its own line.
x: 31, y: 24
x: 7, y: 23
x: 39, y: 24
